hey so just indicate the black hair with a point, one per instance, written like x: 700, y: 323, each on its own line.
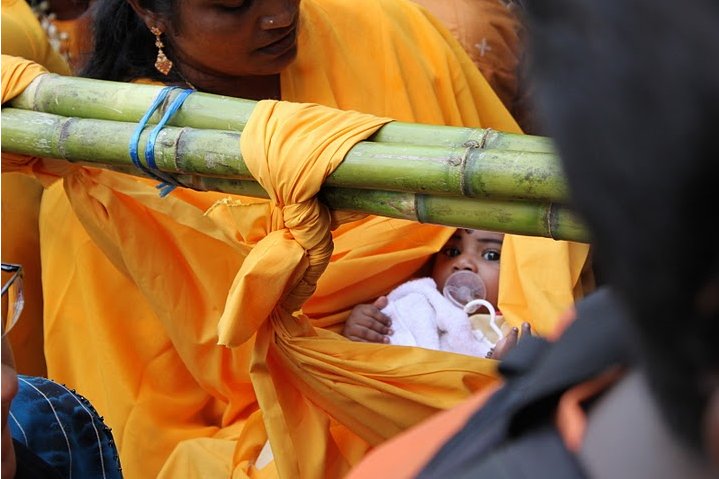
x: 629, y: 89
x: 123, y: 47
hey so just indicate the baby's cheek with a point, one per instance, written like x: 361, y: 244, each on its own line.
x: 440, y: 275
x: 491, y: 282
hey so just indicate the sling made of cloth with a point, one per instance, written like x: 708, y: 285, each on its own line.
x: 324, y: 398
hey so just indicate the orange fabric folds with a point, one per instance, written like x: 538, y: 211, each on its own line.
x: 290, y: 150
x: 323, y: 400
x: 313, y: 386
x: 20, y: 211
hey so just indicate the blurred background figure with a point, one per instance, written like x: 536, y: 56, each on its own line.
x: 491, y: 33
x: 68, y: 26
x: 48, y: 431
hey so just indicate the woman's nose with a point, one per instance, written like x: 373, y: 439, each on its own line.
x: 281, y: 14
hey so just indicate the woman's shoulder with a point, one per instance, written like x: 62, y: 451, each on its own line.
x: 367, y: 13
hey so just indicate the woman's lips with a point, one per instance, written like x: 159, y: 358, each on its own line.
x: 280, y: 46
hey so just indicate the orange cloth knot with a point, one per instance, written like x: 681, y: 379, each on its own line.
x: 290, y: 148
x: 308, y: 223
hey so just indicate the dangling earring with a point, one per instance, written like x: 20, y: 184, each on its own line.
x: 163, y: 64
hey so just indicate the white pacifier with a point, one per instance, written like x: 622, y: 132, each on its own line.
x: 466, y: 290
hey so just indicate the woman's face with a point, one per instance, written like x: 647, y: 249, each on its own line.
x: 234, y: 38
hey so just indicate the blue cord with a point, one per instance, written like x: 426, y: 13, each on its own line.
x: 135, y: 140
x: 150, y: 146
x: 167, y: 182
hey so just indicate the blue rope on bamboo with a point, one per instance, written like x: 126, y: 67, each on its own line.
x: 167, y: 182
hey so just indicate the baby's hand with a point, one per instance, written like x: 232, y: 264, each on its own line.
x: 508, y: 342
x: 368, y: 324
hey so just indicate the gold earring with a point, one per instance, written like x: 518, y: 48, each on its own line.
x: 163, y: 64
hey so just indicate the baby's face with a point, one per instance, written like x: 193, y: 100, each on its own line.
x: 472, y: 250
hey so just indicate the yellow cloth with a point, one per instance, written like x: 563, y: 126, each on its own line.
x: 538, y: 280
x: 136, y: 284
x: 23, y: 36
x: 21, y: 196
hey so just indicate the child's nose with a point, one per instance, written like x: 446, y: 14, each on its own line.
x: 466, y: 265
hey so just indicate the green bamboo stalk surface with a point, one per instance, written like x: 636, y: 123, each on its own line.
x: 464, y: 177
x: 516, y: 217
x: 105, y: 100
x: 452, y: 171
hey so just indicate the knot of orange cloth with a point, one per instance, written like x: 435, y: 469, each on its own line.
x: 290, y: 149
x: 308, y: 223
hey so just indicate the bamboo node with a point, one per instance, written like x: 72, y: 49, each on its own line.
x: 552, y: 214
x: 464, y: 185
x: 484, y: 137
x: 420, y: 208
x: 64, y: 134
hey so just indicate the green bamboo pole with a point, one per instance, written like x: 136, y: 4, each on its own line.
x: 464, y: 171
x: 105, y: 100
x: 516, y: 217
x: 87, y: 98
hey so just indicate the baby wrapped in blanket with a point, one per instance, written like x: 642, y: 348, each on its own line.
x: 442, y: 312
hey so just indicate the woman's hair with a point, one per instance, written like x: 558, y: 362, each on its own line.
x: 123, y: 47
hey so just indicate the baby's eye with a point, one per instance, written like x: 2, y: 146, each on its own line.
x: 451, y: 252
x: 491, y: 255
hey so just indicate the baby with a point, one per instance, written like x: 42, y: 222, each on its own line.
x: 418, y: 314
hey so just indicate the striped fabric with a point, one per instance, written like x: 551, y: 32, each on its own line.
x: 63, y: 428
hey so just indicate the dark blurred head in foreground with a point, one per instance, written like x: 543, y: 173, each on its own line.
x: 630, y: 91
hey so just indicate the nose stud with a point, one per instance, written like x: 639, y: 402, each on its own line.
x: 269, y: 22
